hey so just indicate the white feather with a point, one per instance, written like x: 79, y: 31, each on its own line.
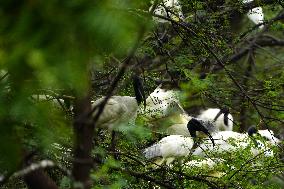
x: 229, y: 141
x: 211, y: 113
x: 172, y: 5
x: 256, y: 14
x: 164, y: 113
x: 118, y: 110
x: 161, y: 103
x: 269, y: 135
x: 169, y: 148
x: 163, y: 109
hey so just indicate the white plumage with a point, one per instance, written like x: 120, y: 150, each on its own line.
x: 161, y: 103
x: 176, y: 145
x: 118, y: 110
x: 173, y: 10
x: 256, y: 14
x: 267, y: 135
x: 229, y: 141
x: 220, y: 124
x: 213, y: 167
x: 222, y: 144
x: 169, y: 148
x: 163, y: 109
x: 262, y: 147
x: 164, y: 113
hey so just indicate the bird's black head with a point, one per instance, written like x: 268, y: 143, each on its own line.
x: 139, y: 90
x: 252, y: 130
x: 195, y: 125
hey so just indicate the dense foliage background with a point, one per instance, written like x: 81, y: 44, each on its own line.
x: 79, y: 50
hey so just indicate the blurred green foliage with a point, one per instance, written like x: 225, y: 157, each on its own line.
x: 52, y: 46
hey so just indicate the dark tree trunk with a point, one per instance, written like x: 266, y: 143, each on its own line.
x: 84, y: 131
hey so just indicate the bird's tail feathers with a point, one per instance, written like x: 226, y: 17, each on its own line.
x: 152, y: 151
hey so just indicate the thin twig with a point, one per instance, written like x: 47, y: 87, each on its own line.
x: 126, y: 62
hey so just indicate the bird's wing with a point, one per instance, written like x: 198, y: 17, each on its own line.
x: 176, y: 145
x: 112, y: 112
x: 170, y: 146
x: 153, y: 151
x: 225, y: 141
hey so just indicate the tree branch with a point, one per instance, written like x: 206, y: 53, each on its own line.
x: 115, y: 81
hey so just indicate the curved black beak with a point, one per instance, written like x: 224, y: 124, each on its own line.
x: 139, y: 90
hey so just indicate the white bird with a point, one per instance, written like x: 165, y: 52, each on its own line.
x: 120, y: 109
x: 256, y: 14
x: 169, y: 148
x: 221, y: 118
x: 229, y: 141
x: 160, y: 103
x: 162, y: 106
x: 168, y: 8
x: 174, y: 146
x: 268, y: 135
x: 163, y: 113
x: 117, y: 111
